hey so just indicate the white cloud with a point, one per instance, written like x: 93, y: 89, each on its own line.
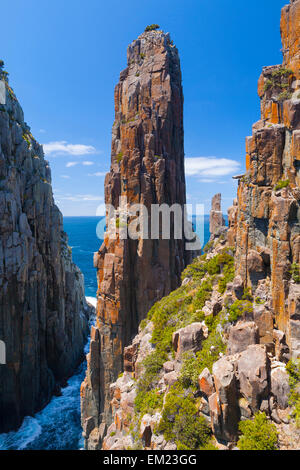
x: 86, y: 163
x: 81, y: 197
x: 209, y: 168
x: 66, y: 177
x: 63, y: 148
x: 98, y: 173
x: 70, y: 164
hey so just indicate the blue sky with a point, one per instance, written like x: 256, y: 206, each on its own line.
x: 64, y: 59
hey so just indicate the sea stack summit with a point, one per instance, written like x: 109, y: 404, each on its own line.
x: 147, y: 166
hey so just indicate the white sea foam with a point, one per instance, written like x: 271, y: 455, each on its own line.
x: 92, y: 300
x: 28, y: 432
x: 57, y: 426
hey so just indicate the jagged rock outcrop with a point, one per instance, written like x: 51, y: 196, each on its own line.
x: 266, y: 220
x: 216, y: 219
x: 147, y: 167
x: 43, y: 312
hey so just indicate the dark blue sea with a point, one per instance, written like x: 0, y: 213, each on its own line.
x: 57, y: 426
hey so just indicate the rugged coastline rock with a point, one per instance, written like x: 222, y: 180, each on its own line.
x: 147, y: 167
x: 43, y: 312
x: 267, y: 215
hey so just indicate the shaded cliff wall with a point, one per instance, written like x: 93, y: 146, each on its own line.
x: 147, y: 166
x: 266, y: 219
x: 43, y: 313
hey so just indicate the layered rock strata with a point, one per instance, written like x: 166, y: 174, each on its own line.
x: 147, y: 167
x: 43, y: 312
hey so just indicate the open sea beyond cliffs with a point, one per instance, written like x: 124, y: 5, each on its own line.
x: 57, y: 426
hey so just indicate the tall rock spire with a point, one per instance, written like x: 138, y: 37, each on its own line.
x: 267, y: 218
x: 147, y: 166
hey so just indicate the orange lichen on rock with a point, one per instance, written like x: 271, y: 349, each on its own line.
x: 267, y: 214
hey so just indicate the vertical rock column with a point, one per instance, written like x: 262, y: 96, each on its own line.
x: 147, y: 166
x: 216, y: 219
x: 268, y: 213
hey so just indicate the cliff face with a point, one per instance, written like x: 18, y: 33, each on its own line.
x: 147, y: 166
x: 268, y: 215
x: 43, y: 313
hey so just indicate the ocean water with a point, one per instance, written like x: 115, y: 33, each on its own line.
x: 57, y: 426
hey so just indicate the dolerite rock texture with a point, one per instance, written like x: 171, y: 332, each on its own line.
x: 216, y: 219
x: 147, y: 166
x: 266, y: 220
x: 43, y: 312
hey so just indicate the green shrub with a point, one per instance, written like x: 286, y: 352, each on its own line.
x: 152, y: 27
x: 295, y: 272
x: 247, y: 294
x: 238, y: 309
x: 142, y: 55
x: 282, y: 184
x: 285, y: 95
x: 258, y: 434
x: 119, y: 157
x: 293, y: 368
x: 282, y: 72
x: 181, y: 422
x: 146, y: 396
x: 148, y: 402
x: 194, y: 364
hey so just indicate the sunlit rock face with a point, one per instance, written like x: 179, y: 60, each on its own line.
x: 147, y: 167
x: 43, y: 312
x: 266, y: 221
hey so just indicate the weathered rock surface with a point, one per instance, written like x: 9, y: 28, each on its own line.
x: 254, y: 376
x: 266, y: 220
x: 241, y: 336
x: 147, y: 167
x: 216, y: 219
x: 43, y: 312
x: 188, y: 339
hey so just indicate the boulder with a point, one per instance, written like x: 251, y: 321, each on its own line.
x: 280, y: 387
x: 253, y: 368
x: 226, y: 390
x: 241, y: 336
x: 206, y: 383
x: 188, y: 339
x: 264, y: 320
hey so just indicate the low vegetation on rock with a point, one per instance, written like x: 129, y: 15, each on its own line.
x: 152, y: 27
x: 258, y: 434
x: 293, y: 368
